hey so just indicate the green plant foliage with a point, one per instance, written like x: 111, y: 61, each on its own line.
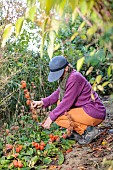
x: 22, y: 64
x: 27, y: 135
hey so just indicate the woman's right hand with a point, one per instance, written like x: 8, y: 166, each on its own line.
x: 37, y: 104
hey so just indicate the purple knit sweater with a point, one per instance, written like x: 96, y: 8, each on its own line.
x: 77, y: 94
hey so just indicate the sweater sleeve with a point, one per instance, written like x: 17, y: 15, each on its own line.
x: 73, y: 90
x: 53, y: 98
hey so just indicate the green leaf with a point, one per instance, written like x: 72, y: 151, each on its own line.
x: 9, y: 157
x: 60, y: 158
x: 109, y: 71
x: 34, y: 160
x: 18, y: 25
x: 7, y: 33
x: 47, y: 160
x: 29, y: 152
x: 30, y: 13
x: 80, y: 63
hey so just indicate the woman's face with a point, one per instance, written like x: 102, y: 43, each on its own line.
x: 65, y: 70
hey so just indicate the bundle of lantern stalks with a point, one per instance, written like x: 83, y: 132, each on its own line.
x: 71, y: 124
x: 42, y: 113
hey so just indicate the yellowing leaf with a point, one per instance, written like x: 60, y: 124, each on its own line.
x: 90, y: 4
x: 100, y: 88
x: 18, y: 25
x: 104, y: 142
x: 91, y: 30
x: 89, y: 70
x: 92, y: 96
x: 105, y: 83
x: 92, y: 53
x: 60, y: 8
x: 51, y: 44
x: 83, y: 37
x: 73, y: 4
x: 94, y: 87
x: 55, y: 23
x: 7, y: 33
x: 81, y: 26
x: 98, y: 79
x: 110, y: 85
x: 74, y: 15
x: 80, y: 63
x: 57, y: 47
x: 83, y: 6
x: 30, y: 13
x: 73, y: 36
x: 47, y: 5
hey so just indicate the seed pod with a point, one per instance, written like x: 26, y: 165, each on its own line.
x: 34, y: 112
x: 16, y: 123
x: 22, y: 122
x: 58, y: 139
x: 38, y: 110
x: 12, y: 128
x: 22, y: 111
x: 69, y: 134
x: 34, y: 117
x: 43, y: 109
x: 16, y: 127
x: 7, y: 131
x: 49, y: 108
x: 22, y: 107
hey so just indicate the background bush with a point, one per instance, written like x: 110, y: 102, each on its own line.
x: 20, y: 63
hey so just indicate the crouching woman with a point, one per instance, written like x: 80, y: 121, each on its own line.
x: 74, y: 97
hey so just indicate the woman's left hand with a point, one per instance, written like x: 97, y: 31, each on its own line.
x: 47, y: 123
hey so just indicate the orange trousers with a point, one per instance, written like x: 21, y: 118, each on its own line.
x: 80, y: 119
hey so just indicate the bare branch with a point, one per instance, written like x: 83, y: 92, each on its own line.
x: 83, y: 17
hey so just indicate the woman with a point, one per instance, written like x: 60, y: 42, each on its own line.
x: 74, y: 93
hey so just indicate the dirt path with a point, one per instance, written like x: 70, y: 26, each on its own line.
x: 90, y: 157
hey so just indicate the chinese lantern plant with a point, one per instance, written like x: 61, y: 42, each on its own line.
x: 27, y: 96
x: 32, y: 142
x: 40, y: 145
x: 26, y: 92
